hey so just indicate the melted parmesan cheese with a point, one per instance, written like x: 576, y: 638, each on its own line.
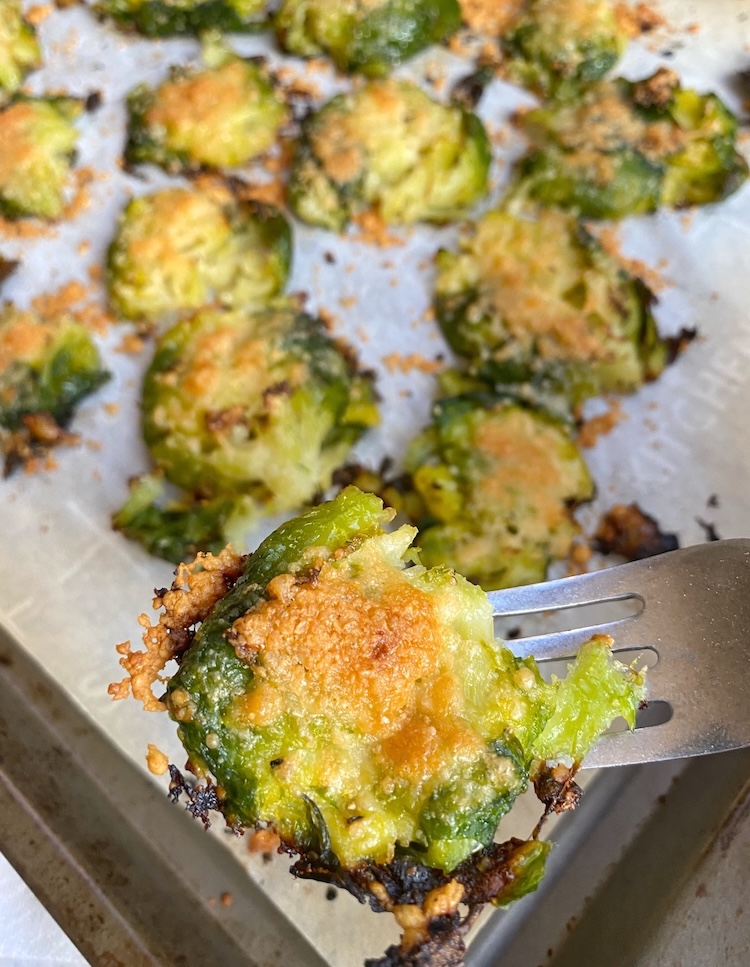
x: 20, y: 149
x: 527, y: 480
x: 525, y: 270
x: 204, y: 99
x: 22, y: 339
x: 328, y: 648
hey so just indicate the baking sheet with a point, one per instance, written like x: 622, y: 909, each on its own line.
x: 74, y: 587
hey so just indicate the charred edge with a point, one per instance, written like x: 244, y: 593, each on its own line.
x: 483, y: 875
x: 201, y: 799
x: 93, y: 102
x: 555, y: 786
x: 7, y: 268
x: 39, y: 433
x: 628, y: 531
x: 709, y: 529
x: 467, y: 92
x: 676, y: 345
x: 444, y: 947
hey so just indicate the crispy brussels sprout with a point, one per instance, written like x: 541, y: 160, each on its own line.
x: 335, y: 685
x: 263, y: 405
x: 332, y: 688
x: 180, y: 248
x: 498, y: 481
x: 165, y: 18
x: 178, y: 529
x: 557, y: 47
x: 38, y: 138
x: 535, y: 299
x: 19, y: 50
x: 627, y: 148
x: 46, y: 369
x: 223, y: 116
x: 388, y: 146
x: 365, y: 36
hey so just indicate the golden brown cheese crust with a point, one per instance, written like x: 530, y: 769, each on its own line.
x: 326, y: 647
x: 205, y: 99
x: 490, y: 16
x: 526, y: 470
x: 19, y: 148
x: 185, y: 208
x: 526, y: 293
x: 607, y: 123
x: 24, y: 340
x: 339, y: 149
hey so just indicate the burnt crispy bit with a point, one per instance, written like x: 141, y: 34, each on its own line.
x: 201, y: 800
x: 467, y: 91
x: 7, y: 268
x: 630, y: 532
x: 708, y: 528
x: 435, y: 909
x: 676, y: 345
x: 32, y: 441
x: 444, y: 947
x: 556, y: 787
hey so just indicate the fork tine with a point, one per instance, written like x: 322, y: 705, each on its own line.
x: 626, y: 632
x: 695, y: 615
x: 672, y: 740
x: 610, y: 584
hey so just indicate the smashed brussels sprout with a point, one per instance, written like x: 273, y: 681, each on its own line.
x: 262, y: 405
x: 165, y: 18
x: 365, y: 36
x: 535, y: 299
x: 497, y: 481
x: 181, y: 248
x: 46, y: 368
x: 627, y: 148
x: 358, y: 703
x: 388, y: 146
x: 38, y: 138
x: 223, y: 116
x: 19, y: 49
x: 557, y: 47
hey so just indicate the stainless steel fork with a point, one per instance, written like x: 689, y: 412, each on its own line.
x: 692, y: 619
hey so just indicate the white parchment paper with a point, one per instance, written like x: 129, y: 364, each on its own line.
x: 71, y: 589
